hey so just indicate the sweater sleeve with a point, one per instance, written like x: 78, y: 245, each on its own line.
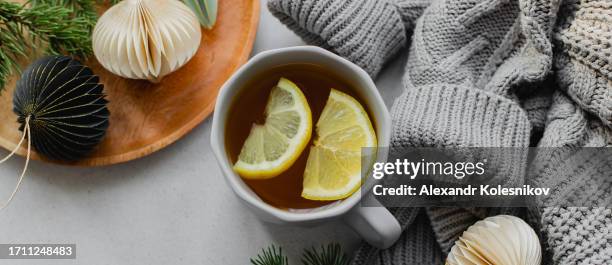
x: 366, y: 32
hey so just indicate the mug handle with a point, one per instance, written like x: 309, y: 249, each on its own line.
x: 375, y: 224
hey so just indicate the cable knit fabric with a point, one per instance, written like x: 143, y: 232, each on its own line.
x: 466, y: 60
x: 366, y: 32
x: 580, y: 116
x: 486, y: 73
x: 576, y: 235
x: 584, y: 61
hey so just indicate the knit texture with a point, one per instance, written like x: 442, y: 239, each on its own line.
x: 366, y: 32
x: 420, y: 246
x: 584, y: 55
x: 483, y: 73
x: 466, y: 60
x: 575, y: 235
x: 580, y: 116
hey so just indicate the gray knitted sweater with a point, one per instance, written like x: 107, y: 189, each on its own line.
x: 483, y: 73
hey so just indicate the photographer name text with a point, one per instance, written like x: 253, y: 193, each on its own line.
x: 469, y: 190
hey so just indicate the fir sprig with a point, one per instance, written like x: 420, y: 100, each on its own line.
x: 271, y: 256
x: 81, y: 8
x: 62, y: 26
x: 331, y: 254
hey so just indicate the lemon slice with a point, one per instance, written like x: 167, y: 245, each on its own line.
x: 333, y: 170
x: 273, y: 147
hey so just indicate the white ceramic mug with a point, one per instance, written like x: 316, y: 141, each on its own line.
x: 375, y: 224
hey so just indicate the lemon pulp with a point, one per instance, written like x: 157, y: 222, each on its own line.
x: 273, y: 147
x: 333, y: 169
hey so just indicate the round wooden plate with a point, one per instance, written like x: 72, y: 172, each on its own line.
x: 146, y: 117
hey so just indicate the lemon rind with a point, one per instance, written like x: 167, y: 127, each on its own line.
x: 321, y: 194
x: 271, y: 169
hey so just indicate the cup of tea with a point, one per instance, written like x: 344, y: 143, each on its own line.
x: 278, y: 186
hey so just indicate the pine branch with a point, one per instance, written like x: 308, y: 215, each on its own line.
x: 330, y: 255
x: 80, y: 8
x: 271, y: 256
x: 11, y: 40
x: 63, y: 26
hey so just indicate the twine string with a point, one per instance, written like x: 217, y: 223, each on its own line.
x: 23, y: 136
x: 26, y: 131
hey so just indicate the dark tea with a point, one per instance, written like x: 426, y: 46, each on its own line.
x: 248, y: 107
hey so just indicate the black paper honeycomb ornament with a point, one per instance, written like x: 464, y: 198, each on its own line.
x: 66, y: 106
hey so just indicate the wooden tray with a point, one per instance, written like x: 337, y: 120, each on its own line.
x: 146, y: 117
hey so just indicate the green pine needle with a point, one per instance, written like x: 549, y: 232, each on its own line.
x: 271, y: 256
x: 63, y: 26
x: 330, y: 255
